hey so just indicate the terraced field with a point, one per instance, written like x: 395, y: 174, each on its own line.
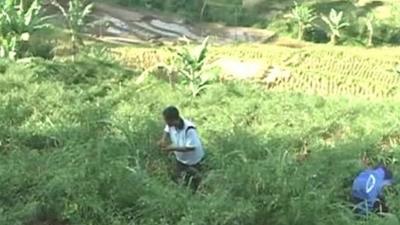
x: 316, y: 69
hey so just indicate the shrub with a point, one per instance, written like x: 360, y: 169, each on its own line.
x: 388, y: 30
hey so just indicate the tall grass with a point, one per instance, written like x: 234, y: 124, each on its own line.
x: 77, y: 147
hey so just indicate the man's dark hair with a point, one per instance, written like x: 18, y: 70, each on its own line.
x: 171, y: 112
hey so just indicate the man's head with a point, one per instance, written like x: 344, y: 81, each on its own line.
x: 172, y: 117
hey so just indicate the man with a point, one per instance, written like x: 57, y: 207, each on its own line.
x: 367, y: 190
x: 186, y: 145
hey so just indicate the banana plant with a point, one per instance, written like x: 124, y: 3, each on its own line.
x: 8, y: 47
x: 18, y: 21
x: 75, y: 17
x: 335, y: 24
x: 192, y: 70
x: 304, y: 17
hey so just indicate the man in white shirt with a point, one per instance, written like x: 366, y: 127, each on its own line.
x: 186, y: 145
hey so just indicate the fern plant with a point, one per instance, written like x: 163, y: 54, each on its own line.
x: 304, y: 17
x: 75, y: 17
x: 335, y: 24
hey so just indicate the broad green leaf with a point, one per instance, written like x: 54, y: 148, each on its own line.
x: 87, y: 10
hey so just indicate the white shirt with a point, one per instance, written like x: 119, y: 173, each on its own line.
x: 186, y: 138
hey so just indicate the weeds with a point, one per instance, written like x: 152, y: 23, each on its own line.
x: 88, y: 153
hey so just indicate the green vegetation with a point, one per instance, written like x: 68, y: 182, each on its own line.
x: 272, y: 14
x: 335, y: 23
x: 192, y: 71
x: 75, y: 18
x: 304, y: 17
x: 19, y: 20
x: 78, y: 137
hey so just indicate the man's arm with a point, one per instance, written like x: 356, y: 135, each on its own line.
x: 163, y: 143
x: 172, y: 148
x: 192, y: 140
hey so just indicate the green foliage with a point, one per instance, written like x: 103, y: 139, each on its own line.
x: 42, y: 48
x: 395, y: 12
x: 77, y: 147
x: 335, y: 24
x: 77, y: 138
x: 304, y: 17
x: 272, y: 14
x: 388, y: 30
x: 75, y: 17
x: 191, y: 68
x: 19, y: 20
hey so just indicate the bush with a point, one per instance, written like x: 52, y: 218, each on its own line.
x: 387, y: 32
x: 43, y: 49
x: 317, y: 35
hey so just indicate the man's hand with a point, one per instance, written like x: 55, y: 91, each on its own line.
x: 165, y: 140
x: 168, y: 148
x: 162, y: 144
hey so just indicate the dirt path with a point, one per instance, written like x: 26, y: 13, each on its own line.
x: 136, y: 26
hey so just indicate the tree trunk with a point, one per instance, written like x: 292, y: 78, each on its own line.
x: 370, y: 40
x: 370, y: 33
x: 333, y: 39
x: 301, y: 32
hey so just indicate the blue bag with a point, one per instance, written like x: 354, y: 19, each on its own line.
x: 368, y: 186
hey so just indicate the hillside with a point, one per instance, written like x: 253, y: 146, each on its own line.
x: 286, y: 124
x: 277, y: 16
x: 78, y: 147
